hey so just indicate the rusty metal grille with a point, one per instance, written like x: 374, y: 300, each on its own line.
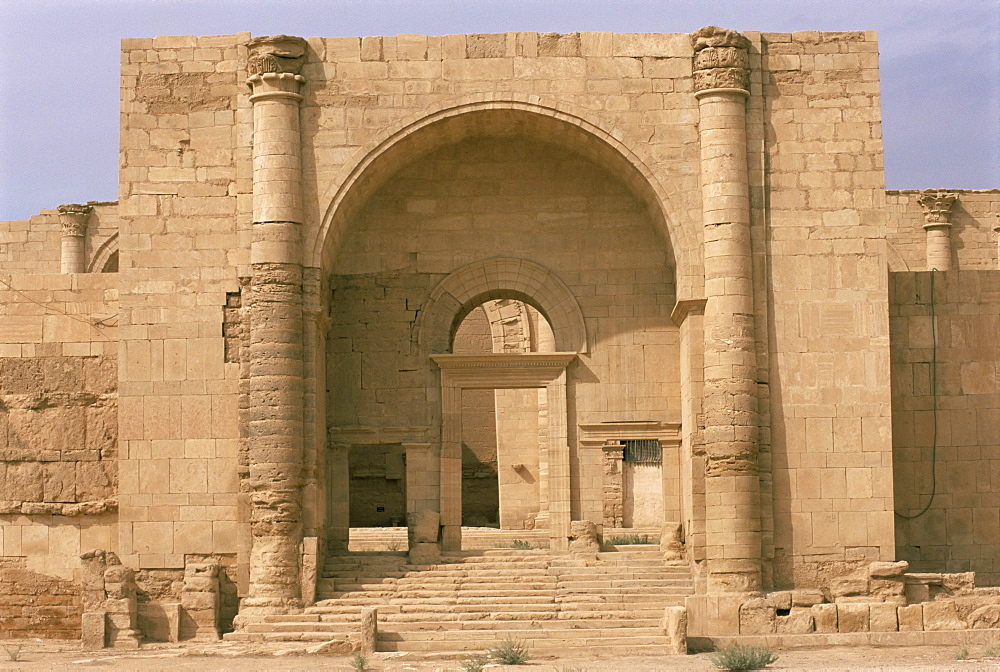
x: 646, y: 451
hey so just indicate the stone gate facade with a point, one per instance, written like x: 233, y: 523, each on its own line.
x: 678, y: 239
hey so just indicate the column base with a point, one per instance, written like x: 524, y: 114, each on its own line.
x: 253, y: 607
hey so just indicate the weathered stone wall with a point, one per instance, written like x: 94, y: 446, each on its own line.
x: 821, y: 246
x: 59, y: 446
x: 185, y: 185
x: 37, y: 605
x: 33, y: 245
x: 960, y: 532
x: 973, y: 218
x: 58, y: 443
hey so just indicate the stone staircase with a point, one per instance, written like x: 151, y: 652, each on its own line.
x: 472, y: 600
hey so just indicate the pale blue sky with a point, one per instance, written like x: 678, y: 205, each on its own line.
x: 59, y: 70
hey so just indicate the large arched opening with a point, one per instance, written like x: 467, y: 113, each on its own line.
x: 502, y: 202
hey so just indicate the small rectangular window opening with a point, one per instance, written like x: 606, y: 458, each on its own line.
x: 646, y: 451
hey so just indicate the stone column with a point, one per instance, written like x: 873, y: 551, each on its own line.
x: 73, y: 218
x: 275, y: 316
x: 937, y: 212
x: 732, y: 485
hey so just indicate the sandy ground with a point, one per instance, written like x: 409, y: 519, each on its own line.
x: 66, y: 655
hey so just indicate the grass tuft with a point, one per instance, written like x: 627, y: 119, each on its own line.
x: 962, y: 653
x: 737, y: 658
x: 13, y: 651
x: 520, y: 544
x: 510, y: 652
x: 475, y: 663
x: 359, y: 662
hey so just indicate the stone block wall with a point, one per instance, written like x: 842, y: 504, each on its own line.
x: 960, y: 532
x: 973, y: 218
x: 33, y: 245
x: 58, y: 442
x: 185, y: 151
x: 37, y: 605
x: 821, y: 258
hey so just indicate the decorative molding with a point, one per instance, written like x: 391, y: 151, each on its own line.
x: 499, y: 278
x: 937, y: 206
x: 608, y: 434
x: 497, y: 371
x: 721, y: 61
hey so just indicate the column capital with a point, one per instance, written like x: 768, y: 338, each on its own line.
x: 721, y: 61
x: 273, y: 67
x: 73, y: 218
x: 937, y: 207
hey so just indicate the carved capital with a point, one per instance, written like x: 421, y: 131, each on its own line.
x: 73, y: 218
x: 276, y: 53
x: 722, y: 78
x: 721, y: 59
x: 937, y: 206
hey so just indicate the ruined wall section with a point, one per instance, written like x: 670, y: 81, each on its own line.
x: 58, y: 443
x: 953, y: 453
x: 826, y: 279
x: 973, y: 217
x: 33, y: 245
x: 185, y: 203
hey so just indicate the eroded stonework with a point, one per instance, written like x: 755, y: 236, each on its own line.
x: 581, y: 289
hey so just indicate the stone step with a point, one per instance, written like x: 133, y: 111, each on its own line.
x: 296, y: 627
x: 469, y: 594
x: 612, y: 598
x: 625, y: 586
x: 619, y: 625
x: 479, y: 642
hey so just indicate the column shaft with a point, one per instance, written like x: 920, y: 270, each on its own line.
x: 275, y: 315
x: 732, y: 486
x: 73, y: 220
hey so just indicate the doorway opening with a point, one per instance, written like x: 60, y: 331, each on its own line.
x: 504, y: 430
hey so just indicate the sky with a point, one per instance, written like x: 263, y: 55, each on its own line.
x: 59, y: 59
